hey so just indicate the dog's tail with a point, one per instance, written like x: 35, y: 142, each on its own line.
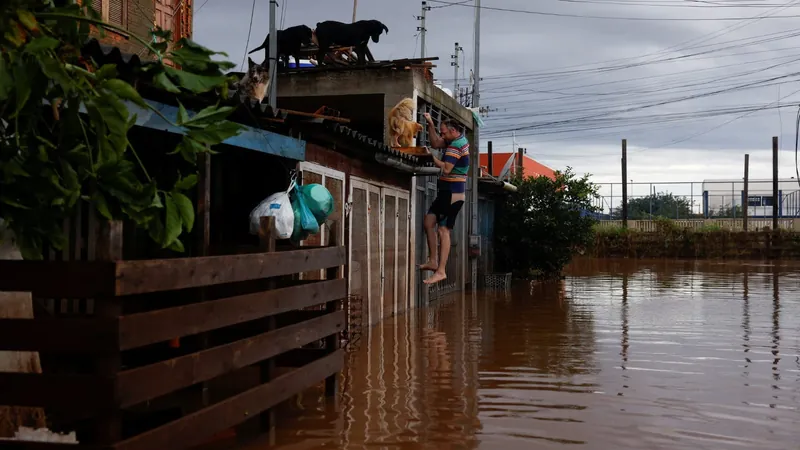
x: 260, y: 47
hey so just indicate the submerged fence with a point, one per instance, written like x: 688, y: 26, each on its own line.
x: 705, y: 199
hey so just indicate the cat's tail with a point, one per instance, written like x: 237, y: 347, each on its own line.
x: 260, y: 47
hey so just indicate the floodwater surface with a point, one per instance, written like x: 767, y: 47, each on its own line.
x: 618, y: 355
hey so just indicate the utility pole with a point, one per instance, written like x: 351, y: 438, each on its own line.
x: 273, y: 55
x: 624, y: 183
x: 455, y: 65
x: 476, y: 136
x: 422, y: 30
x: 746, y: 200
x: 355, y: 6
x: 775, y: 199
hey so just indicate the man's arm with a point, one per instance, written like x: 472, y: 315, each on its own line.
x: 436, y: 140
x: 445, y: 166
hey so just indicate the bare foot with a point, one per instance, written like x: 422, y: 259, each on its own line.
x: 429, y: 266
x: 435, y: 278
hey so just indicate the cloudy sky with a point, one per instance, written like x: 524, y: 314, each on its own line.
x: 691, y: 95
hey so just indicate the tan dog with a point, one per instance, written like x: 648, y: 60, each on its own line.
x: 402, y: 126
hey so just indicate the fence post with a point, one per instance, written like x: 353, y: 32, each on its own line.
x: 624, y: 183
x: 108, y: 247
x: 267, y: 235
x: 745, y: 199
x: 774, y: 182
x: 332, y: 341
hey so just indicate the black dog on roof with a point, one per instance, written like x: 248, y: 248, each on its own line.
x: 356, y: 34
x: 290, y: 41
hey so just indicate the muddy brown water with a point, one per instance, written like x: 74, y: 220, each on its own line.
x: 619, y: 355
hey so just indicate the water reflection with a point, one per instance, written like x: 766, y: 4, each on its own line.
x: 621, y: 354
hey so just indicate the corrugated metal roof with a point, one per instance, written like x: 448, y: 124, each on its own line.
x: 252, y: 113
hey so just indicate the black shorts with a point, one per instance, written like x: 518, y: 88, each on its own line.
x: 445, y: 211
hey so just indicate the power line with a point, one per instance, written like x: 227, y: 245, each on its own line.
x: 249, y: 31
x: 580, y: 16
x: 196, y: 11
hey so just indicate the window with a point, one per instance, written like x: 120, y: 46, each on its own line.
x: 112, y: 11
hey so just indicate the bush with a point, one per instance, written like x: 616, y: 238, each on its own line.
x: 543, y: 225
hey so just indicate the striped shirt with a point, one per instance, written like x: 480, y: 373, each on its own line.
x: 457, y: 153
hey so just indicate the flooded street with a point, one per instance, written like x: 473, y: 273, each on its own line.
x: 618, y: 355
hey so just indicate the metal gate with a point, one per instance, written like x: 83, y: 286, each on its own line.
x: 378, y: 266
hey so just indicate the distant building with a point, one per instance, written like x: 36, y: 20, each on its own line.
x: 139, y: 17
x: 530, y: 167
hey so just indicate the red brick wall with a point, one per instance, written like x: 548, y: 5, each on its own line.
x: 356, y: 167
x: 139, y: 17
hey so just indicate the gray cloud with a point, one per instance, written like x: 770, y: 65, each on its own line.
x: 529, y: 45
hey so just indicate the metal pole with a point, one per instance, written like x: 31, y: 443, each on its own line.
x: 489, y: 152
x: 422, y: 29
x: 624, y: 183
x: 774, y: 182
x: 746, y: 200
x: 273, y: 55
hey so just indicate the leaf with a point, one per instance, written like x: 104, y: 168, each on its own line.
x: 6, y: 80
x: 183, y: 116
x: 107, y: 71
x: 172, y: 223
x: 27, y: 19
x: 56, y: 71
x: 70, y: 176
x: 186, y: 210
x: 11, y: 202
x: 22, y: 83
x: 163, y: 82
x: 193, y: 82
x: 41, y: 45
x: 177, y: 246
x: 211, y: 114
x: 124, y: 91
x: 15, y: 34
x: 186, y: 183
x: 100, y: 203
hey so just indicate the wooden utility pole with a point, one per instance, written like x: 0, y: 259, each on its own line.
x: 624, y: 183
x: 746, y: 200
x: 775, y: 182
x: 520, y: 163
x: 355, y: 7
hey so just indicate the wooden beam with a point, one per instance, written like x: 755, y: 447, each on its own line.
x: 138, y: 277
x: 195, y: 428
x: 30, y: 445
x: 58, y: 279
x: 70, y: 392
x: 148, y: 382
x: 141, y: 329
x: 76, y: 335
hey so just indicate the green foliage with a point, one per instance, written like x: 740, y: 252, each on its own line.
x: 541, y: 226
x: 661, y: 204
x: 64, y: 127
x: 727, y: 212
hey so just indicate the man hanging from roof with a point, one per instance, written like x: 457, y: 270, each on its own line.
x: 451, y: 187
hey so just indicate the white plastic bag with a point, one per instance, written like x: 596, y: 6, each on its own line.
x: 279, y: 206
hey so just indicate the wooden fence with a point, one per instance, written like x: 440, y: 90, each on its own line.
x: 236, y: 312
x: 696, y: 224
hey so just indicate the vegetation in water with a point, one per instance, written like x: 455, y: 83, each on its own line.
x: 64, y: 127
x: 544, y: 224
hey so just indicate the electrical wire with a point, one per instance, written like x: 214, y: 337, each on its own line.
x: 796, y: 141
x: 249, y: 31
x: 648, y: 19
x: 196, y: 11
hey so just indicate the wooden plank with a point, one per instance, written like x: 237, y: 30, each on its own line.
x: 137, y: 330
x: 76, y: 335
x: 72, y: 392
x: 195, y: 428
x: 58, y: 279
x: 137, y: 277
x: 29, y: 445
x: 144, y: 383
x: 300, y: 357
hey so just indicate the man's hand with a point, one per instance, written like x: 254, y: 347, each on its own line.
x: 427, y: 117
